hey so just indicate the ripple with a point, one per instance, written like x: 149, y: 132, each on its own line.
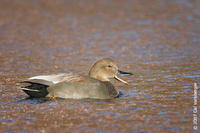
x: 6, y: 121
x: 192, y: 76
x: 27, y: 119
x: 132, y: 109
x: 163, y: 112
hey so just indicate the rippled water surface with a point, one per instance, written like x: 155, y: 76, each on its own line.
x: 159, y: 41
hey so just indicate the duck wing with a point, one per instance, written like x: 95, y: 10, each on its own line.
x: 37, y: 86
x: 57, y: 78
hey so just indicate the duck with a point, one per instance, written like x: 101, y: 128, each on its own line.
x: 95, y: 85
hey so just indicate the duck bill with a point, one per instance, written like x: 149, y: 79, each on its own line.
x: 124, y: 73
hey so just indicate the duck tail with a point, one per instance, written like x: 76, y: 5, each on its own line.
x: 34, y: 89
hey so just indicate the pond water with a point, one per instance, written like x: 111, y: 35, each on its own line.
x: 159, y: 41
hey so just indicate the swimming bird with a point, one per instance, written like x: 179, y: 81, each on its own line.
x: 96, y: 85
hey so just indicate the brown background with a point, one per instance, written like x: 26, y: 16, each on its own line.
x: 157, y: 40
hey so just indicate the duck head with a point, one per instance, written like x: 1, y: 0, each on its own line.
x: 105, y: 69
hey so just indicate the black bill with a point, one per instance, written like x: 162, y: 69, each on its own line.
x: 124, y: 73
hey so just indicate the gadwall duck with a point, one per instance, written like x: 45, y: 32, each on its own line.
x: 67, y: 85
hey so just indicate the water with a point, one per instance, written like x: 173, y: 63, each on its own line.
x: 156, y: 40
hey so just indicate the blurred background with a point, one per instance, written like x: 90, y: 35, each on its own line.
x: 159, y: 41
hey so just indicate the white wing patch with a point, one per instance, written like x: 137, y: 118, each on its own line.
x: 56, y: 78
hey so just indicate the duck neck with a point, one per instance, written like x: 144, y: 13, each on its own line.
x: 102, y: 78
x: 99, y: 77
